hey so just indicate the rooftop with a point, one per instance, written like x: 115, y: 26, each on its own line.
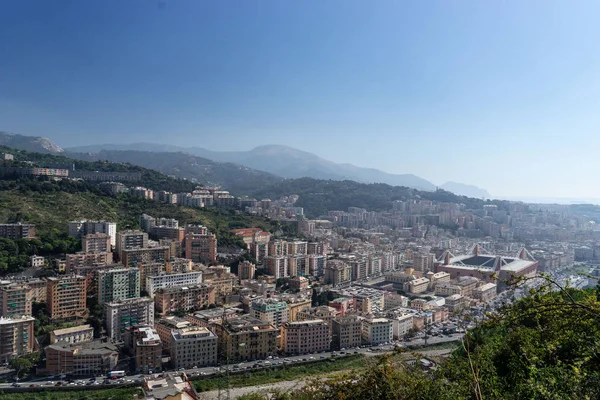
x: 73, y: 329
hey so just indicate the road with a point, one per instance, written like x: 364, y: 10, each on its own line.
x: 275, y: 362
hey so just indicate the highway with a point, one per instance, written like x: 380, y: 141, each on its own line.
x: 197, y: 373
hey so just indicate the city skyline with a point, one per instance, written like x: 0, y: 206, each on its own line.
x: 501, y: 96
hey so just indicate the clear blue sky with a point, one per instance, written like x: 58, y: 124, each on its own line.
x: 504, y: 95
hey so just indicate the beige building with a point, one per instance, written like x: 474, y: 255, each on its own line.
x: 131, y: 239
x: 146, y: 346
x: 184, y: 298
x: 246, y: 270
x: 324, y: 313
x: 38, y: 290
x: 15, y: 299
x: 485, y: 292
x: 419, y: 285
x: 305, y: 337
x: 346, y: 332
x: 201, y: 248
x: 75, y: 334
x: 145, y: 255
x: 246, y: 338
x: 16, y: 337
x: 188, y: 345
x: 96, y: 243
x: 76, y: 260
x: 337, y: 272
x: 65, y: 297
x: 456, y: 302
x: 447, y: 289
x: 81, y: 359
x: 270, y: 310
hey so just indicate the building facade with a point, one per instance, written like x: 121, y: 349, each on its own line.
x: 16, y: 337
x: 118, y: 284
x: 119, y: 315
x: 65, y: 297
x: 305, y: 337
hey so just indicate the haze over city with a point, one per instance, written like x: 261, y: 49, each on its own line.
x: 502, y: 96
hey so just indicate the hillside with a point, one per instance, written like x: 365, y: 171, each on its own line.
x: 319, y: 196
x: 236, y: 178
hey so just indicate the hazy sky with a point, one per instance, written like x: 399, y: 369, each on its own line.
x: 501, y: 94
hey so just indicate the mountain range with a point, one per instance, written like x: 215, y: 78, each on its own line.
x: 265, y: 164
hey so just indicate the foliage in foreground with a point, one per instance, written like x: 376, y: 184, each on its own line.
x: 113, y: 394
x: 546, y: 346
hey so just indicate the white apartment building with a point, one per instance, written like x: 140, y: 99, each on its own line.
x: 119, y: 315
x: 402, y: 324
x: 166, y: 280
x: 377, y: 330
x: 78, y: 229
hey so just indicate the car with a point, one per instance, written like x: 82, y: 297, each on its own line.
x: 322, y: 357
x: 58, y: 384
x: 311, y: 358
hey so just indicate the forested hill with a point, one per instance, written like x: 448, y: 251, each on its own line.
x: 149, y: 178
x: 318, y: 196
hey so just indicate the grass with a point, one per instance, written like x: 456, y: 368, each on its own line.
x: 113, y: 394
x: 265, y: 376
x: 437, y: 346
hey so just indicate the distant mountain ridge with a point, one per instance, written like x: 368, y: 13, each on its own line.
x: 466, y: 190
x: 29, y: 143
x: 283, y: 161
x: 261, y: 165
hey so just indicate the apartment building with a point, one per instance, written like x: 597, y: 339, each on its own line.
x: 146, y: 346
x: 305, y: 337
x: 38, y: 289
x: 196, y: 229
x: 246, y: 270
x: 337, y: 273
x: 17, y: 231
x: 175, y: 246
x: 456, y: 302
x: 201, y: 248
x: 37, y: 261
x: 401, y: 325
x: 176, y: 279
x: 323, y: 313
x: 78, y: 229
x: 16, y: 337
x: 96, y: 243
x: 246, y: 338
x: 419, y: 285
x: 118, y: 284
x: 167, y: 232
x: 377, y: 330
x: 81, y: 359
x: 447, y: 289
x: 65, y: 297
x: 270, y: 310
x: 15, y: 299
x: 184, y: 298
x: 124, y: 313
x: 394, y: 300
x: 189, y: 346
x: 344, y: 305
x: 75, y: 334
x: 277, y: 266
x: 145, y: 255
x: 131, y: 239
x: 485, y: 292
x: 77, y: 260
x: 346, y: 332
x: 316, y: 264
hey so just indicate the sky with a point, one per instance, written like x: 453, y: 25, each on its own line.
x: 503, y: 95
